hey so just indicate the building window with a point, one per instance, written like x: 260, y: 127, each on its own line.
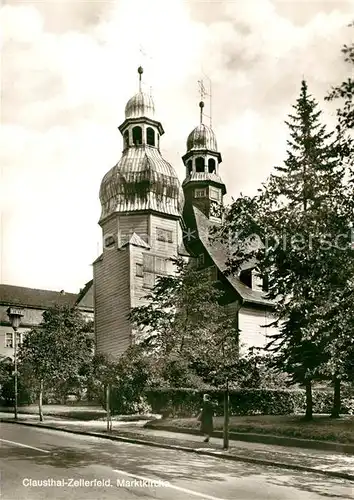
x: 199, y: 164
x: 213, y: 273
x: 137, y: 136
x: 214, y: 193
x: 201, y: 260
x: 246, y: 277
x: 126, y: 139
x: 199, y: 193
x: 19, y: 338
x: 211, y: 165
x: 139, y: 270
x: 109, y: 241
x: 9, y: 340
x: 189, y: 167
x: 150, y: 136
x: 265, y: 283
x: 153, y: 266
x: 164, y: 235
x: 149, y: 280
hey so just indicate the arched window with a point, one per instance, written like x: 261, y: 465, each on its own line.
x: 137, y: 136
x: 211, y: 165
x: 150, y: 136
x: 126, y: 139
x: 199, y: 164
x: 189, y: 167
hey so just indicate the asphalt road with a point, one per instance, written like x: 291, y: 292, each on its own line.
x: 46, y: 464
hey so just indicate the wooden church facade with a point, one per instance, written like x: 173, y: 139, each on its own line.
x: 148, y: 217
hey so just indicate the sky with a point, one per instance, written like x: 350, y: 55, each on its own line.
x: 69, y: 67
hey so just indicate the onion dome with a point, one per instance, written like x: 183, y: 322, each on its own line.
x: 202, y: 137
x: 141, y: 105
x: 141, y: 180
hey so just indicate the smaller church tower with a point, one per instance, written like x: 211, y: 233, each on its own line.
x: 202, y: 185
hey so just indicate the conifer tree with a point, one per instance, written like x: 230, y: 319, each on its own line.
x: 301, y: 215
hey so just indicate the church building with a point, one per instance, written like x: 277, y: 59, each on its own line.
x: 148, y: 217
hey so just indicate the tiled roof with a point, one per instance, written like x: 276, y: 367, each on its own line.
x: 218, y: 253
x: 84, y: 296
x: 32, y: 297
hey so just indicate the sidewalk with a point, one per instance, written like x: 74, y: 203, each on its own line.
x: 307, y: 460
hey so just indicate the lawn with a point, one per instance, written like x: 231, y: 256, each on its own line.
x: 322, y: 427
x: 63, y: 411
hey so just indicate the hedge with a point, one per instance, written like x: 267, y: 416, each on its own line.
x: 187, y: 402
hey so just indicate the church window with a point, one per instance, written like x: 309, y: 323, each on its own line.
x: 149, y: 280
x: 126, y: 139
x: 211, y: 165
x: 160, y: 265
x: 139, y: 270
x: 213, y: 273
x: 137, y: 136
x: 109, y: 241
x: 150, y: 136
x: 189, y: 167
x: 9, y: 340
x: 246, y: 277
x: 265, y: 283
x: 201, y: 260
x: 148, y: 262
x: 199, y: 164
x: 214, y: 193
x: 164, y: 235
x: 199, y: 193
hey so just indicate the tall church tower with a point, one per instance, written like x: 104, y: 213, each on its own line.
x: 203, y: 187
x: 141, y: 220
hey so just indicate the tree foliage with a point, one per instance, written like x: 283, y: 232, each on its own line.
x: 54, y: 354
x: 186, y: 327
x: 298, y: 231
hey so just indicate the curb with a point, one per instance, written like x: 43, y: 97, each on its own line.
x: 213, y: 454
x: 264, y: 439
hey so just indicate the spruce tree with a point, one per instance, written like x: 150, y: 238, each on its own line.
x: 301, y: 215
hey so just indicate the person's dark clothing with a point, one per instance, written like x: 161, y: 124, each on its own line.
x: 206, y: 418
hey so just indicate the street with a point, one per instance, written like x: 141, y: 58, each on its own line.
x: 47, y: 464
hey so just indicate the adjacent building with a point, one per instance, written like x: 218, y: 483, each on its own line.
x: 34, y: 302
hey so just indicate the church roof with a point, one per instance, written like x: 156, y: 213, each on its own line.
x: 33, y: 297
x: 202, y: 137
x: 136, y: 241
x: 218, y: 253
x: 141, y: 180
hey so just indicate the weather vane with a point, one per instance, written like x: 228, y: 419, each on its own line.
x: 203, y: 93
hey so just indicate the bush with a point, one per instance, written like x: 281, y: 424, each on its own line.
x: 187, y: 402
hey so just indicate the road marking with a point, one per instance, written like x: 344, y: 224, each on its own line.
x: 169, y: 485
x: 24, y: 445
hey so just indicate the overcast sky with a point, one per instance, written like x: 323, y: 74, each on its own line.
x: 68, y: 68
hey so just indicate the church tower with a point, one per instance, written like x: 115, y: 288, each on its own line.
x: 141, y: 220
x: 203, y: 187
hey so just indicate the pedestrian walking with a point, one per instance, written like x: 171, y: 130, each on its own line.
x: 206, y: 418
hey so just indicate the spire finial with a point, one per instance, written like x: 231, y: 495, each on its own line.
x: 201, y: 105
x: 140, y: 71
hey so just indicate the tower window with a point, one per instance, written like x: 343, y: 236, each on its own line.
x: 164, y: 235
x: 211, y: 165
x: 214, y: 193
x: 199, y: 164
x: 137, y: 136
x: 150, y: 136
x: 199, y: 193
x: 126, y: 139
x: 189, y: 167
